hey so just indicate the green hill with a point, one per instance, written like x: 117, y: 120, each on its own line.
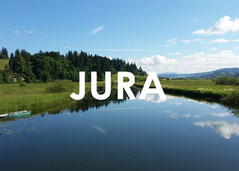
x: 229, y: 72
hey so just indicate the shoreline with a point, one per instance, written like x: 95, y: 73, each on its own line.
x: 34, y: 97
x: 223, y: 95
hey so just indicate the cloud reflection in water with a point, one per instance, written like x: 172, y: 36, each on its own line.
x: 100, y: 129
x: 223, y: 128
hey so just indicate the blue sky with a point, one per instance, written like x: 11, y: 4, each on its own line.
x: 158, y: 35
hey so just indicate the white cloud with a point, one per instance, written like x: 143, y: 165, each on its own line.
x: 24, y: 31
x: 152, y: 63
x: 96, y: 30
x: 223, y: 128
x: 155, y: 98
x: 219, y: 41
x: 171, y: 42
x: 220, y: 115
x: 121, y: 50
x: 193, y: 40
x: 28, y: 32
x: 197, y: 62
x: 223, y: 26
x: 178, y: 103
x: 186, y: 41
x: 213, y: 48
x: 187, y: 115
x: 214, y: 106
x: 235, y: 40
x: 175, y: 53
x: 173, y: 115
x: 222, y: 40
x: 16, y: 31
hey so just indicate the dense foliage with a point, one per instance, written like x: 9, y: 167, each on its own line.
x: 50, y: 66
x: 227, y: 81
x: 232, y: 99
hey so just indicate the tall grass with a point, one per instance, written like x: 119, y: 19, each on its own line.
x: 60, y: 86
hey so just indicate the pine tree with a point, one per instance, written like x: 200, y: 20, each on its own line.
x: 4, y: 53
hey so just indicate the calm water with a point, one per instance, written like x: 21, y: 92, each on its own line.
x: 179, y: 134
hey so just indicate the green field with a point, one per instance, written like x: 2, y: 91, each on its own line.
x: 203, y: 86
x: 203, y: 89
x: 33, y: 96
x: 3, y: 63
x: 197, y: 85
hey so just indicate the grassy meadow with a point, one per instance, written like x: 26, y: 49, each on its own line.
x: 32, y: 96
x: 202, y: 86
x: 35, y: 97
x: 204, y: 89
x: 3, y: 63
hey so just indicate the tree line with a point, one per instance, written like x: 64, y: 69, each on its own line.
x: 50, y: 66
x: 225, y: 80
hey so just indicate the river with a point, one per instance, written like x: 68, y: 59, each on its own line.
x: 178, y: 134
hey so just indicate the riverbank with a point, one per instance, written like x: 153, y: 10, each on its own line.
x: 34, y: 97
x: 202, y: 89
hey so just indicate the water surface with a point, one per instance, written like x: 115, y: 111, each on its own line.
x: 178, y: 134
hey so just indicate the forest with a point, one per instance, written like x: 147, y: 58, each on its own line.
x: 51, y: 66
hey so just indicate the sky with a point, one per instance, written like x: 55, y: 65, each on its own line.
x: 183, y: 36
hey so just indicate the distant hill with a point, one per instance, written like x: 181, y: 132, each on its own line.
x: 231, y: 72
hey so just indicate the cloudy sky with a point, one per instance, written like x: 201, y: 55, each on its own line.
x: 162, y: 36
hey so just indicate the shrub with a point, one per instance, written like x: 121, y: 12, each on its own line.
x: 60, y: 86
x: 227, y: 81
x: 232, y: 99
